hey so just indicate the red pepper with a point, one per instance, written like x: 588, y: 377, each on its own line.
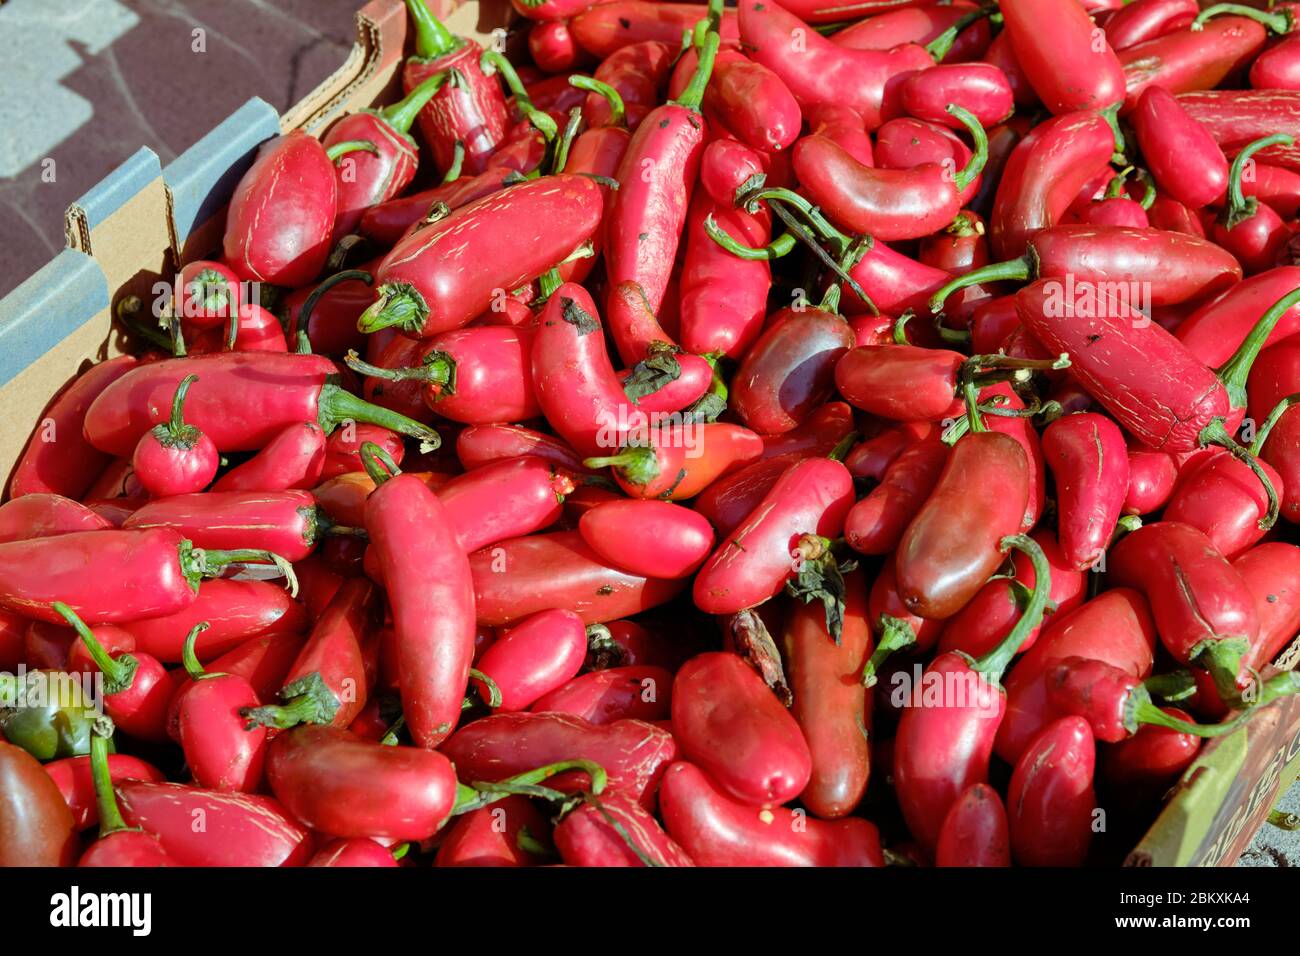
x: 1145, y: 20
x: 280, y: 222
x: 494, y: 835
x: 390, y: 221
x: 723, y: 296
x: 553, y: 46
x: 263, y: 661
x: 240, y: 829
x: 717, y: 830
x: 538, y: 655
x: 945, y: 735
x: 634, y: 754
x: 1142, y: 767
x: 1270, y: 572
x: 1043, y: 175
x: 652, y: 538
x: 440, y: 277
x: 816, y: 70
x: 1070, y: 66
x: 923, y: 24
x: 1171, y: 267
x: 746, y: 99
x: 241, y: 401
x: 1001, y: 55
x: 343, y: 448
x: 639, y: 691
x: 644, y: 222
x: 514, y: 496
x: 1182, y: 155
x: 980, y: 88
x: 236, y: 611
x: 292, y: 459
x: 1152, y: 475
x: 680, y: 461
x: 234, y: 520
x: 1237, y: 117
x: 1090, y: 465
x: 72, y: 775
x: 1221, y: 497
x: 118, y: 845
x: 353, y: 853
x: 141, y: 574
x: 876, y: 522
x: 589, y: 836
x: 637, y: 73
x: 887, y: 204
x: 58, y: 459
x: 1198, y: 57
x: 515, y: 579
x: 906, y: 143
x: 1219, y: 327
x: 431, y: 596
x: 204, y: 293
x: 42, y: 515
x: 790, y: 370
x: 481, y: 445
x: 810, y: 499
x: 327, y: 682
x: 975, y: 831
x: 872, y: 458
x: 326, y: 315
x: 1051, y: 803
x: 821, y: 433
x: 1204, y: 612
x: 36, y: 826
x: 951, y: 546
x: 1278, y: 67
x: 897, y: 283
x: 901, y: 382
x: 469, y: 109
x: 1249, y: 229
x: 608, y: 27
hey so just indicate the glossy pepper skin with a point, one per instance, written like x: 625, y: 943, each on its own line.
x: 586, y: 837
x: 431, y: 595
x: 538, y: 655
x: 281, y: 218
x: 58, y: 459
x: 1089, y: 462
x: 1051, y: 802
x: 975, y: 831
x: 716, y: 830
x: 285, y: 522
x: 810, y: 498
x: 730, y: 724
x: 951, y: 547
x: 1057, y: 46
x: 36, y: 826
x: 788, y: 372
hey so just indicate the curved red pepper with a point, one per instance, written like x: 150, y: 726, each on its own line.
x: 810, y: 498
x: 292, y: 459
x: 42, y: 515
x: 637, y: 73
x: 716, y: 830
x: 789, y: 371
x: 818, y: 71
x: 1058, y: 47
x: 58, y: 459
x: 1089, y: 463
x: 876, y: 522
x: 1190, y: 59
x: 606, y: 28
x: 640, y: 692
x: 975, y: 832
x: 587, y: 836
x: 633, y: 753
x: 1050, y: 801
x: 390, y: 221
x: 1043, y: 175
x: 1144, y: 20
x: 241, y: 401
x: 236, y: 611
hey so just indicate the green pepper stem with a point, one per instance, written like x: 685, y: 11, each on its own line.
x: 349, y: 275
x: 693, y: 95
x: 1176, y: 685
x: 1239, y: 207
x: 339, y: 150
x: 1222, y: 658
x: 1261, y: 435
x: 560, y: 156
x: 378, y: 463
x: 176, y: 427
x: 980, y: 154
x: 617, y: 108
x: 437, y: 368
x: 118, y: 673
x: 482, y: 794
x: 1013, y: 270
x: 1279, y: 22
x: 895, y: 634
x: 941, y: 45
x: 110, y: 814
x: 432, y: 39
x: 189, y: 658
x: 494, y: 692
x: 1216, y: 433
x: 457, y: 162
x: 402, y: 114
x: 398, y: 305
x: 994, y: 663
x: 1140, y: 710
x: 337, y: 405
x: 212, y: 562
x: 491, y: 62
x: 778, y: 247
x: 1234, y: 372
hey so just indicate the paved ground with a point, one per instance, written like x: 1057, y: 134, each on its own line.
x: 85, y: 83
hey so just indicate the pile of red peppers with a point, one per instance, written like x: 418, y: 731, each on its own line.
x: 703, y: 437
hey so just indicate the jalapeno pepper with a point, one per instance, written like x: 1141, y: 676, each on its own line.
x: 975, y: 832
x: 1051, y: 803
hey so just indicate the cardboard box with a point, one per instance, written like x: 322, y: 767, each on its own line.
x: 134, y: 228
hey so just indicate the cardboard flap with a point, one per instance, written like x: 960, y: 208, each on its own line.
x: 199, y: 181
x: 53, y: 303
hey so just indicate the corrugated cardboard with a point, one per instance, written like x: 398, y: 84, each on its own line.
x: 140, y: 222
